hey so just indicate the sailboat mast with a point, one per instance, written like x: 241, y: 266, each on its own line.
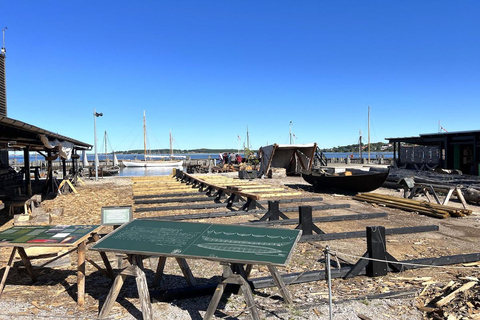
x: 248, y: 140
x: 360, y: 145
x: 290, y: 131
x: 144, y: 136
x: 171, y: 147
x: 105, y: 139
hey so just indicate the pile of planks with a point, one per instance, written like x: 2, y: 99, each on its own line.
x: 455, y: 300
x: 422, y: 207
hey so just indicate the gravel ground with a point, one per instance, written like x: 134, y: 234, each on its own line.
x: 53, y: 295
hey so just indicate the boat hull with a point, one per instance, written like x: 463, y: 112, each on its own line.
x: 143, y: 164
x: 358, y: 182
x: 105, y: 171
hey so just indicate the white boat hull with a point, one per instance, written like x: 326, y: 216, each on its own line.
x: 152, y: 163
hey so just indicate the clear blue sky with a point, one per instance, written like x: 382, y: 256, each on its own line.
x: 208, y: 69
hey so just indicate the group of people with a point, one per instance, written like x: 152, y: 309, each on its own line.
x: 230, y: 158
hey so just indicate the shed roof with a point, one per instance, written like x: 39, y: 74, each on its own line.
x: 435, y: 138
x: 16, y: 134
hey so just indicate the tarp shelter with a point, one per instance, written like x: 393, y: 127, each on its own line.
x: 292, y: 157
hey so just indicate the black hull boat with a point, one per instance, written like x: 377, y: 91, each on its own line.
x: 105, y: 171
x: 353, y: 180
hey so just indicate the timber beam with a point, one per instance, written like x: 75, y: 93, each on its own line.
x: 172, y: 200
x: 223, y: 204
x: 361, y: 234
x: 360, y: 216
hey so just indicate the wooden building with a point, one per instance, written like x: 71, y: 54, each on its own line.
x: 447, y: 150
x: 21, y: 136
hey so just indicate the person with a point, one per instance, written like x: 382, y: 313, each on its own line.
x: 239, y: 159
x: 225, y: 158
x: 232, y: 158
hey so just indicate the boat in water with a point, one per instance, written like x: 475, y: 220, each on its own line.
x: 353, y: 180
x: 154, y: 160
x: 107, y: 169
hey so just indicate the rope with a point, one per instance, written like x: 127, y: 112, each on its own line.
x: 400, y: 262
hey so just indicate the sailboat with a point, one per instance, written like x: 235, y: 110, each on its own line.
x: 154, y: 161
x: 107, y: 169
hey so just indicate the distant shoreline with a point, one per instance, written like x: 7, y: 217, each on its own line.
x: 128, y: 156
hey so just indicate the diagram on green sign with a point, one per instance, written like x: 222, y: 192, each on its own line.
x: 234, y: 242
x: 240, y: 248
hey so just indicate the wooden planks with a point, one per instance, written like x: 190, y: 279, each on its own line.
x: 422, y: 207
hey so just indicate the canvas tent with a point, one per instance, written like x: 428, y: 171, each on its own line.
x: 292, y: 157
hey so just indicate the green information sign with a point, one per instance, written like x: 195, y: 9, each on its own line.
x: 48, y: 235
x: 230, y: 243
x: 116, y: 215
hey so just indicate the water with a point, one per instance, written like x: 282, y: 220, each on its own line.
x: 149, y: 171
x: 164, y: 171
x: 18, y: 158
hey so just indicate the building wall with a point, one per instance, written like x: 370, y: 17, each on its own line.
x: 3, y: 105
x: 3, y: 87
x: 418, y: 155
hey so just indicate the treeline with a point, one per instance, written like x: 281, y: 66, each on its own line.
x: 374, y: 147
x: 180, y: 151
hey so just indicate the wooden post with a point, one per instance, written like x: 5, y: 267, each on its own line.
x: 26, y: 166
x: 273, y: 212
x: 142, y: 287
x: 273, y: 208
x: 7, y: 269
x: 376, y: 247
x: 26, y: 262
x: 135, y: 270
x: 64, y: 168
x: 215, y: 300
x: 247, y: 293
x: 107, y: 264
x: 112, y: 295
x: 305, y: 219
x: 81, y: 274
x: 159, y: 273
x: 187, y: 273
x: 280, y: 284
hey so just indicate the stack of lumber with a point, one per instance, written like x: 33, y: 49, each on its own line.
x: 456, y: 300
x: 422, y: 207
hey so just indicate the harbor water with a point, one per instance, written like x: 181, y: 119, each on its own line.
x: 16, y: 161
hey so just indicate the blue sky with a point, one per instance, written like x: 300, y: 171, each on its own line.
x: 208, y: 69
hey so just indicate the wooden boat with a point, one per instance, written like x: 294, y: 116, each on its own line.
x: 107, y: 169
x: 351, y: 180
x: 154, y: 161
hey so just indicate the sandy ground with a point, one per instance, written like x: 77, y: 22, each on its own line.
x: 53, y: 295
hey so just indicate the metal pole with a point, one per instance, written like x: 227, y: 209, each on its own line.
x: 329, y: 280
x: 95, y: 115
x: 95, y: 142
x: 368, y: 134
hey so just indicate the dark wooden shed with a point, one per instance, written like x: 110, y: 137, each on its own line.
x: 21, y: 136
x: 447, y: 150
